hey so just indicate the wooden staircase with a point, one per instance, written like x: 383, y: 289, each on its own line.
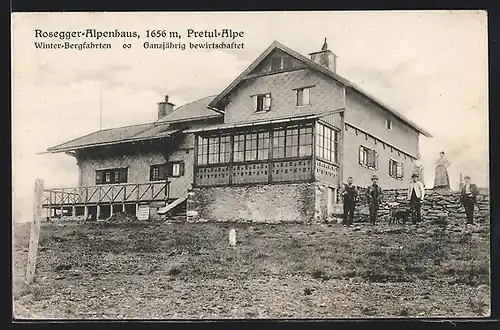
x: 175, y: 211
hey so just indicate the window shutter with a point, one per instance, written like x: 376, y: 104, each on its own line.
x: 255, y: 98
x: 162, y: 169
x: 123, y: 175
x: 375, y: 156
x: 181, y: 168
x: 267, y: 102
x: 98, y: 177
x: 306, y: 96
x: 390, y: 167
x: 360, y: 156
x: 399, y: 170
x: 170, y: 171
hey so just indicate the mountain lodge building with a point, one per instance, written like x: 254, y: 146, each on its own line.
x: 275, y: 145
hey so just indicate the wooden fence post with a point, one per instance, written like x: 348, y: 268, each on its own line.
x: 35, y: 230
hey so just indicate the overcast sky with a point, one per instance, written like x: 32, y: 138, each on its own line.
x: 431, y: 66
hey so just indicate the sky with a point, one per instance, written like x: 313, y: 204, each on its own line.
x: 432, y: 66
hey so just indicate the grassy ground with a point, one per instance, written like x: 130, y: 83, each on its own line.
x: 143, y: 271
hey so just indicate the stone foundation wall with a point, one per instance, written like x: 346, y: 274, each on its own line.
x: 271, y: 203
x: 308, y: 202
x: 437, y: 204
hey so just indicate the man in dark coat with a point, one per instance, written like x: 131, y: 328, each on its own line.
x: 374, y: 197
x: 349, y: 195
x: 468, y: 196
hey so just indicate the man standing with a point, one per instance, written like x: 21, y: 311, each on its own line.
x: 468, y: 198
x: 349, y: 195
x: 374, y: 196
x: 416, y: 194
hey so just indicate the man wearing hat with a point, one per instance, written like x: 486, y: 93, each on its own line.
x: 468, y: 198
x: 416, y: 193
x: 374, y: 196
x: 349, y: 195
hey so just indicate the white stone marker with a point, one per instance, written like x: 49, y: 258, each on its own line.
x: 232, y: 237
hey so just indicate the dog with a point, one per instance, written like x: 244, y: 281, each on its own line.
x: 400, y: 216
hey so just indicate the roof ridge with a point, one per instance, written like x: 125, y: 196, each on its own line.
x: 180, y: 106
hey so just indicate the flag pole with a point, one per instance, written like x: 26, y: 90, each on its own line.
x: 100, y: 113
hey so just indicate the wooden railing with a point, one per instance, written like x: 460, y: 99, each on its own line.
x: 270, y: 170
x: 106, y: 194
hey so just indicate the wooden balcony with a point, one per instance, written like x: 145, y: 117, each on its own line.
x: 106, y: 194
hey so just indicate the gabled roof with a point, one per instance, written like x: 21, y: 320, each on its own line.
x: 318, y: 67
x: 115, y: 135
x: 192, y: 111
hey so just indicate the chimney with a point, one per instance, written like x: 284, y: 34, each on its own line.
x: 165, y: 108
x: 325, y: 57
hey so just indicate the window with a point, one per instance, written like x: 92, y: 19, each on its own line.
x: 287, y: 63
x: 368, y: 158
x: 327, y: 152
x: 292, y: 141
x: 202, y: 150
x: 263, y: 146
x: 327, y: 143
x: 388, y: 124
x: 251, y: 146
x: 110, y: 176
x: 276, y: 64
x: 305, y: 140
x: 335, y: 148
x: 395, y: 169
x: 303, y: 96
x: 175, y: 169
x: 279, y: 142
x: 225, y: 149
x: 262, y: 102
x: 239, y: 148
x: 157, y: 172
x: 214, y: 150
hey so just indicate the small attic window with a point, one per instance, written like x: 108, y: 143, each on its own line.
x: 388, y: 124
x: 287, y: 63
x: 275, y: 63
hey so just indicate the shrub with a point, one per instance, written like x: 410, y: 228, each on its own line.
x: 174, y: 271
x: 320, y: 274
